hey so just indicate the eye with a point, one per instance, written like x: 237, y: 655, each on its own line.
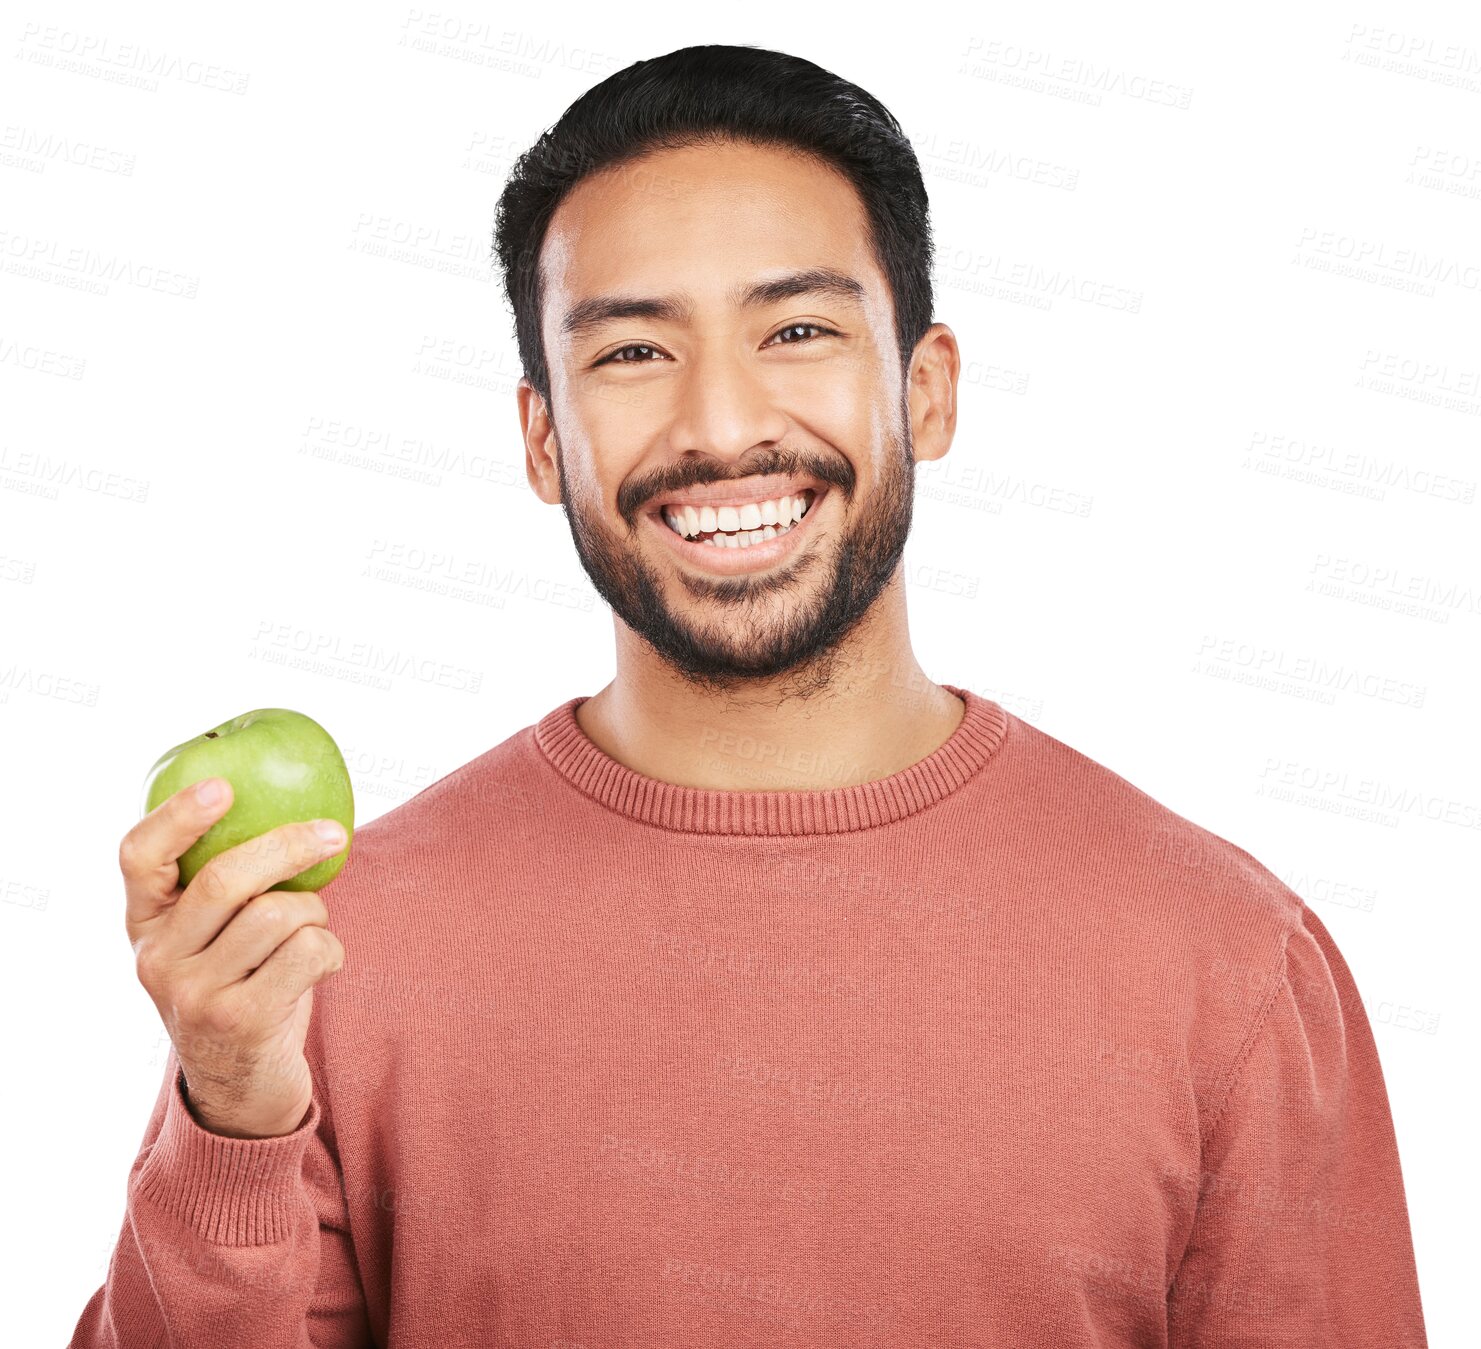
x: 793, y: 327
x: 635, y: 346
x: 619, y: 357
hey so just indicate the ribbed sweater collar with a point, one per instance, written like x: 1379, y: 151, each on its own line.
x: 831, y: 810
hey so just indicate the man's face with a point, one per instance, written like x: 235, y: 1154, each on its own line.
x: 715, y: 401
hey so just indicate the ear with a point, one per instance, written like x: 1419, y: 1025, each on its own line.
x: 934, y: 370
x: 540, y: 443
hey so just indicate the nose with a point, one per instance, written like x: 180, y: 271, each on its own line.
x: 724, y: 406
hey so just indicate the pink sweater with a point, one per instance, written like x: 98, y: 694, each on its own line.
x: 995, y: 1051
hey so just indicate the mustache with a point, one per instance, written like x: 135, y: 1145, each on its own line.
x: 640, y: 494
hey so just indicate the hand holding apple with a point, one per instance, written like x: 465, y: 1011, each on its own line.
x: 282, y: 766
x: 231, y: 968
x: 237, y: 1009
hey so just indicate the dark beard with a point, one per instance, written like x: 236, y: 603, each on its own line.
x: 790, y: 621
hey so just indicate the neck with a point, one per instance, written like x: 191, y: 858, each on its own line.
x: 873, y: 714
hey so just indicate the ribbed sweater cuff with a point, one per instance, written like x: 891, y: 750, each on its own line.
x: 231, y: 1191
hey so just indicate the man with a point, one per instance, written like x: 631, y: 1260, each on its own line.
x: 774, y: 994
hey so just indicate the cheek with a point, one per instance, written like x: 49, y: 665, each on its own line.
x: 617, y: 408
x: 607, y: 438
x: 591, y: 477
x: 583, y: 478
x: 838, y: 400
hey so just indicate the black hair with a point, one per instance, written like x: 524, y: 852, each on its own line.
x: 713, y: 94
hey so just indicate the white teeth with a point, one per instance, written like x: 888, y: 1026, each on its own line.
x: 738, y: 527
x: 745, y: 540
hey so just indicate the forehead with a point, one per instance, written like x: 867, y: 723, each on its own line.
x: 700, y: 218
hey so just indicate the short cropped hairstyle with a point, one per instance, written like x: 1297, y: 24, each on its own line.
x: 712, y: 94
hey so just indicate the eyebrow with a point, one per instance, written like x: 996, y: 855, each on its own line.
x: 586, y: 315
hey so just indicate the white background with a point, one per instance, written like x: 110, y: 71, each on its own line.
x: 1210, y: 515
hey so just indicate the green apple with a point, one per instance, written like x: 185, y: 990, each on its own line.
x: 282, y: 765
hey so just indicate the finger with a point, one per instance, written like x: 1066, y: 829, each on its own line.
x: 260, y: 926
x: 149, y: 854
x: 233, y: 877
x: 308, y: 956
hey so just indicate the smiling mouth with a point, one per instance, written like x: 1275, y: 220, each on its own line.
x: 739, y: 527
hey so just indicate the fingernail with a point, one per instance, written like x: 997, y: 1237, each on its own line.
x: 331, y: 831
x: 210, y: 792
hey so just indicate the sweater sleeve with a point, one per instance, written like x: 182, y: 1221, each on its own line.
x: 1301, y: 1234
x: 229, y: 1241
